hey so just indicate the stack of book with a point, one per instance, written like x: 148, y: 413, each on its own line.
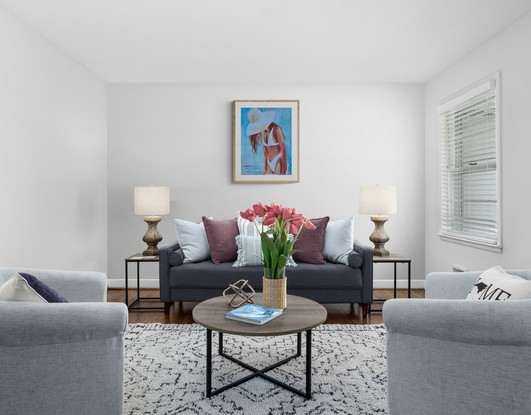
x: 254, y: 314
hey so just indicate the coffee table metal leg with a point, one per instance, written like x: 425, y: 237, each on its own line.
x: 308, y: 364
x: 260, y: 372
x: 209, y: 364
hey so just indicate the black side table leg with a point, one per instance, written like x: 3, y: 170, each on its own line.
x: 395, y: 280
x: 126, y: 286
x: 409, y: 280
x: 220, y: 345
x: 209, y: 364
x: 299, y: 341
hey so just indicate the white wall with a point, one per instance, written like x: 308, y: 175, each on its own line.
x: 180, y: 135
x: 53, y: 172
x: 508, y: 52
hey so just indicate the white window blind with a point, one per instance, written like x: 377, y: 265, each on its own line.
x: 470, y: 188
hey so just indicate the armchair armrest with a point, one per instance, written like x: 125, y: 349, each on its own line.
x: 62, y: 358
x: 36, y: 324
x: 74, y: 286
x: 366, y: 270
x: 458, y: 356
x: 164, y: 269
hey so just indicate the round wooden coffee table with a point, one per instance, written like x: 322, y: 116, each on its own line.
x: 301, y: 315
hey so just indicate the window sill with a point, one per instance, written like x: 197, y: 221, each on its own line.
x: 492, y: 248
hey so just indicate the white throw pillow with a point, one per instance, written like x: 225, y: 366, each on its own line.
x: 496, y: 284
x: 248, y: 228
x: 250, y: 252
x: 339, y: 240
x: 192, y: 240
x: 17, y: 288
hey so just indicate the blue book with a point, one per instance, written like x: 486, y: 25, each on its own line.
x: 254, y: 314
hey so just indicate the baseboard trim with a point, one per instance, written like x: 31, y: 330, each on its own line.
x: 153, y: 283
x: 144, y: 283
x: 401, y: 283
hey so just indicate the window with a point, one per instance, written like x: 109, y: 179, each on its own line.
x: 470, y: 168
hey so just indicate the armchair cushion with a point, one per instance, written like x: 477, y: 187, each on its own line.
x: 495, y: 284
x: 25, y: 287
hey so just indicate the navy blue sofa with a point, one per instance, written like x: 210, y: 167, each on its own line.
x: 324, y: 283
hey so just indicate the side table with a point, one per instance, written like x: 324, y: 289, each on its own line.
x: 138, y: 258
x: 394, y: 259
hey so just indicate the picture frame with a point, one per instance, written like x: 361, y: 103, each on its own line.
x: 266, y: 141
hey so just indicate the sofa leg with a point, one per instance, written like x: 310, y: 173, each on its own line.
x: 167, y: 308
x: 365, y: 309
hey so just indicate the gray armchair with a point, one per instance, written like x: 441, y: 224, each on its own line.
x: 63, y: 358
x: 446, y: 355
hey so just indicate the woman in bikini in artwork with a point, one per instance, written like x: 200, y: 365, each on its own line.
x: 262, y: 129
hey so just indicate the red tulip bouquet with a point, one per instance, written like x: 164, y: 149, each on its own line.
x: 277, y: 246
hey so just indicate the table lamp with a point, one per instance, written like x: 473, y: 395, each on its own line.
x: 378, y: 201
x: 152, y: 201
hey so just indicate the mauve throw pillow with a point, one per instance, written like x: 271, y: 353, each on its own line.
x: 221, y: 237
x: 311, y: 243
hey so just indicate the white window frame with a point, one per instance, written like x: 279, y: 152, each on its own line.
x: 452, y: 102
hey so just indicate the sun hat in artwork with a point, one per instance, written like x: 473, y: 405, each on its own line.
x: 259, y: 121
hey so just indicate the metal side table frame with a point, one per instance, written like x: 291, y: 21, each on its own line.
x: 138, y: 258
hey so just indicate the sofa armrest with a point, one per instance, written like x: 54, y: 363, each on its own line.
x: 464, y: 321
x: 74, y: 286
x: 365, y: 252
x: 164, y: 269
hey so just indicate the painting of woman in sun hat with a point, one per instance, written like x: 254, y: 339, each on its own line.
x: 263, y: 128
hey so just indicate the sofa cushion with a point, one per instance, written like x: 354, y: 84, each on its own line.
x: 248, y: 228
x: 496, y: 284
x: 193, y: 241
x: 26, y: 287
x: 339, y: 240
x: 221, y: 235
x: 206, y: 274
x: 311, y: 242
x: 250, y: 252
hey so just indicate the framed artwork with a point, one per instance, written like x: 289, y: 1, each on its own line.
x: 265, y: 141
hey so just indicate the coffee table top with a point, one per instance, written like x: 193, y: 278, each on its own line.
x: 301, y: 314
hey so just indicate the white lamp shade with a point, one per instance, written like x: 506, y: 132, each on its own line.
x: 152, y: 200
x: 378, y: 200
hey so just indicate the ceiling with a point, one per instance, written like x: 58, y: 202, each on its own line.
x: 267, y: 41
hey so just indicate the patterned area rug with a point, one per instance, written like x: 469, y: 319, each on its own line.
x: 165, y: 372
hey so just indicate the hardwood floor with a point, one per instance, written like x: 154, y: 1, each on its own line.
x: 181, y: 313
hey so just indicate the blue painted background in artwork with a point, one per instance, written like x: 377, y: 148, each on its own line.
x: 253, y: 164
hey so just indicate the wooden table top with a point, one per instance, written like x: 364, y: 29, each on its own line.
x: 301, y: 314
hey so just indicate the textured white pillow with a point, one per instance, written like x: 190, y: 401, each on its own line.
x: 250, y: 252
x: 496, y: 284
x: 192, y: 240
x: 17, y: 288
x: 248, y: 228
x: 339, y: 240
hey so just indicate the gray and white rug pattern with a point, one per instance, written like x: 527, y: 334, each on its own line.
x: 165, y: 372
